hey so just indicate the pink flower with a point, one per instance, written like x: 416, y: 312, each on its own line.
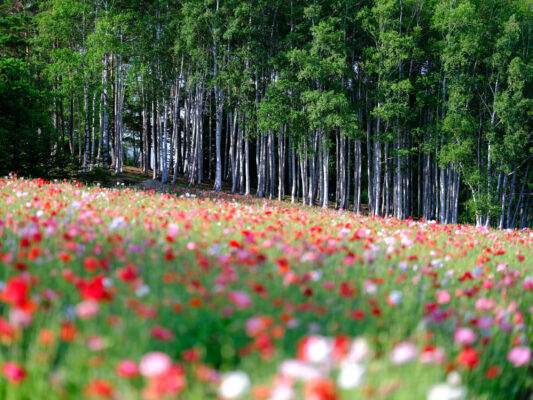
x: 154, y: 364
x: 297, y: 369
x: 485, y: 322
x: 432, y: 355
x: 442, y: 296
x: 173, y: 230
x: 13, y: 372
x: 127, y: 369
x: 240, y: 299
x: 87, y: 309
x: 484, y: 304
x: 95, y: 343
x: 528, y: 284
x: 403, y: 352
x: 19, y: 318
x: 464, y: 336
x: 254, y: 326
x: 520, y: 355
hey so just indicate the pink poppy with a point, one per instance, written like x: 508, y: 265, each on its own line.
x: 403, y: 352
x: 127, y: 369
x: 154, y: 364
x: 87, y: 309
x: 464, y: 336
x: 240, y: 299
x: 443, y: 296
x: 13, y: 372
x: 520, y: 355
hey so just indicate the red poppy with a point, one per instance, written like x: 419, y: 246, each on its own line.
x: 90, y: 264
x: 99, y: 388
x: 358, y: 314
x: 492, y: 372
x: 68, y: 331
x: 16, y: 292
x: 468, y: 357
x: 93, y: 289
x: 320, y: 389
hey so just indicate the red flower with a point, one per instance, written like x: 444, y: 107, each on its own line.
x: 358, y: 314
x: 46, y: 337
x: 68, y: 331
x: 320, y: 389
x: 93, y: 289
x: 466, y: 275
x: 492, y: 372
x: 16, y: 292
x: 161, y: 333
x: 7, y: 331
x: 468, y: 357
x: 128, y: 274
x: 99, y: 388
x: 347, y: 290
x: 376, y: 311
x: 90, y: 264
x: 65, y: 257
x: 190, y: 355
x: 341, y: 345
x: 168, y: 384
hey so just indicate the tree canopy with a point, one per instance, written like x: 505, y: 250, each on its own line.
x: 414, y: 108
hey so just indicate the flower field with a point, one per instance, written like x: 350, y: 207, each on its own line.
x: 123, y: 294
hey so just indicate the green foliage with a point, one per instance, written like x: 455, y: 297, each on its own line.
x: 450, y: 80
x: 25, y: 128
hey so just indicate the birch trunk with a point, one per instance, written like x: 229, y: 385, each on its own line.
x: 105, y: 126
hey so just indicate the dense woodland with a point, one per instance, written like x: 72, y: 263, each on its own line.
x: 416, y: 108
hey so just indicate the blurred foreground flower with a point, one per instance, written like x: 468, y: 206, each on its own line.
x: 13, y: 372
x: 233, y: 385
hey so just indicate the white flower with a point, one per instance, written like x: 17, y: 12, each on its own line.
x: 142, y: 290
x: 351, y: 375
x: 370, y: 288
x: 316, y: 275
x: 395, y: 297
x: 117, y: 223
x: 282, y: 392
x: 75, y: 204
x: 443, y: 391
x: 453, y: 378
x: 449, y: 390
x: 317, y: 349
x: 107, y: 282
x: 233, y: 385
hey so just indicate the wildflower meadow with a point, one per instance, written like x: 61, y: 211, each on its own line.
x: 128, y: 294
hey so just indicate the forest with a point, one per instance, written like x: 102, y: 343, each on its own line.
x: 402, y: 108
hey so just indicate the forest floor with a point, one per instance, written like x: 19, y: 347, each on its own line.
x: 134, y: 176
